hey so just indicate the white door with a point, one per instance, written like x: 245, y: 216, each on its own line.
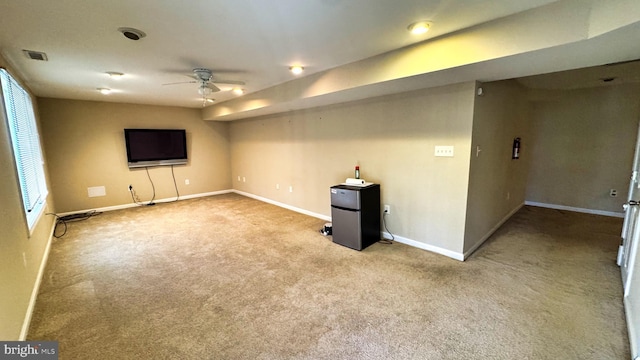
x: 632, y: 297
x: 628, y: 256
x: 630, y: 227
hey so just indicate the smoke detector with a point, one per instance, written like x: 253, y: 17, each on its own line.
x: 131, y: 33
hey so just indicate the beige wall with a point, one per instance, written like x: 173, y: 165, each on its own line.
x: 391, y: 138
x: 496, y: 182
x: 584, y: 143
x: 85, y: 148
x: 20, y: 254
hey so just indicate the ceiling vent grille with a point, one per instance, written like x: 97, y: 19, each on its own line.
x: 35, y: 55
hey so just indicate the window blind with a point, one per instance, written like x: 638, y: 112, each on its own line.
x: 20, y: 117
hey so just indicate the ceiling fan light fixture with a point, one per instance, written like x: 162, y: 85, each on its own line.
x: 419, y: 27
x: 202, y: 74
x: 296, y: 69
x: 104, y: 91
x: 238, y: 91
x: 204, y: 90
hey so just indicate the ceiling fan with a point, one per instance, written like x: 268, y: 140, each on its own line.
x: 204, y: 77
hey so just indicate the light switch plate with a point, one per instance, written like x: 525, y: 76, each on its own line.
x: 446, y: 151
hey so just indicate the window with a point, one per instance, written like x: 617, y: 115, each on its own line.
x: 18, y: 111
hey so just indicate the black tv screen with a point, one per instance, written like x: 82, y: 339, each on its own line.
x: 154, y: 147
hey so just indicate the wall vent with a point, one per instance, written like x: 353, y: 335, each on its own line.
x: 35, y: 55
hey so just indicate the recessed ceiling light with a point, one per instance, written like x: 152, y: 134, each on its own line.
x: 419, y: 27
x: 296, y: 70
x: 131, y: 33
x: 115, y: 74
x: 104, y: 91
x: 238, y: 91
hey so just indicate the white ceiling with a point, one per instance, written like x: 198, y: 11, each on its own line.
x: 255, y: 41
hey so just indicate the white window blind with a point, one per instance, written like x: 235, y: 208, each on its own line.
x: 18, y: 111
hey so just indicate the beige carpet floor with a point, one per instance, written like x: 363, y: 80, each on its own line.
x: 229, y: 277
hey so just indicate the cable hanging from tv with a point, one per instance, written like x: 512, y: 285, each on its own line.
x: 136, y: 199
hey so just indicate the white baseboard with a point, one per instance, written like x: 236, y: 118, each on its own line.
x: 283, y: 205
x: 580, y: 210
x: 126, y: 206
x: 490, y: 232
x: 423, y: 246
x: 36, y: 287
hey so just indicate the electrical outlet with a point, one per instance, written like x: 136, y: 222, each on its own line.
x: 290, y: 188
x: 244, y: 179
x: 613, y: 192
x: 130, y: 187
x: 277, y: 186
x: 387, y: 209
x: 186, y: 181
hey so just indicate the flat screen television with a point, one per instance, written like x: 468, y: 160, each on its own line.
x: 155, y: 147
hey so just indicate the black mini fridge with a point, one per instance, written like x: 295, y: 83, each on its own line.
x: 355, y: 215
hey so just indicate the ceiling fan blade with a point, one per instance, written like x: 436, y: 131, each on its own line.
x: 213, y: 87
x: 181, y: 82
x: 230, y: 82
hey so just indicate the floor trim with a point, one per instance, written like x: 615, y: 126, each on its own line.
x: 580, y: 210
x: 423, y: 246
x: 283, y: 205
x: 488, y: 234
x: 36, y: 287
x: 126, y: 206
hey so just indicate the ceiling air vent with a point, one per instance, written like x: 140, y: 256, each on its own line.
x: 35, y: 55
